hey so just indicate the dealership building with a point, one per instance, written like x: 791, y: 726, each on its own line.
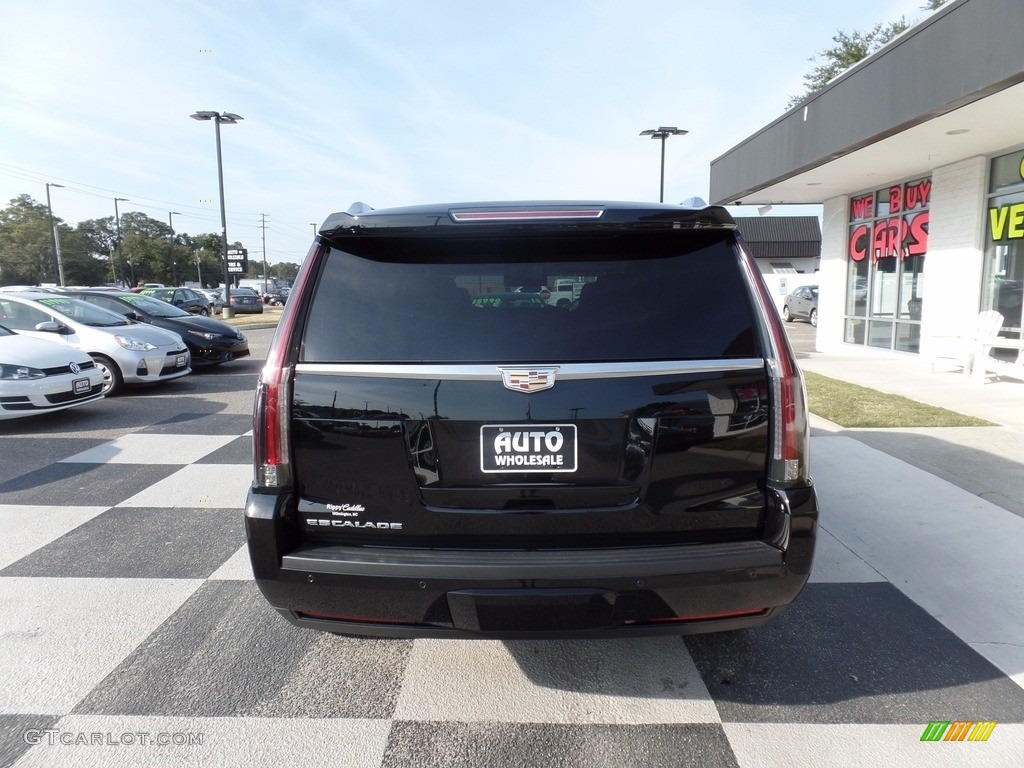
x: 917, y: 156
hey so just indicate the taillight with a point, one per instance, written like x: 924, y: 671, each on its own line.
x: 271, y: 415
x: 790, y: 430
x: 272, y: 409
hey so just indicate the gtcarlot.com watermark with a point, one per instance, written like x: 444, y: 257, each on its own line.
x: 57, y: 737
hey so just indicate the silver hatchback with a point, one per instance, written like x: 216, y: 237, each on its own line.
x: 126, y: 352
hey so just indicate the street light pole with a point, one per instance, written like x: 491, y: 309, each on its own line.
x: 218, y: 118
x: 174, y: 264
x: 54, y: 243
x: 663, y: 133
x: 117, y: 245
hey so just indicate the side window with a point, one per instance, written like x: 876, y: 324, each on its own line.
x: 22, y: 317
x: 107, y: 303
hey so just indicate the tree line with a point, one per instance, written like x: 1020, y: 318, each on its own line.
x: 92, y: 253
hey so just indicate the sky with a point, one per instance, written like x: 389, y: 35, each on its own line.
x: 389, y: 102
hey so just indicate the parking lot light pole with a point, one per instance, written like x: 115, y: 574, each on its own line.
x: 663, y: 133
x: 229, y: 118
x: 54, y: 243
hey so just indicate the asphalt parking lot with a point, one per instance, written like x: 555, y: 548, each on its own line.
x: 133, y: 633
x: 801, y: 336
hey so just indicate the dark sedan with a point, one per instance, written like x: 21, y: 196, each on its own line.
x: 802, y: 303
x: 184, y: 298
x: 244, y: 300
x: 210, y: 341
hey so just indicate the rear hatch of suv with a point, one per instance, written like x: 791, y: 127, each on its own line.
x: 425, y: 404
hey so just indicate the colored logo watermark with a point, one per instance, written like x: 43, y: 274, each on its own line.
x: 958, y: 730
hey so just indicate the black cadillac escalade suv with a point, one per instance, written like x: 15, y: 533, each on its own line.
x: 443, y: 451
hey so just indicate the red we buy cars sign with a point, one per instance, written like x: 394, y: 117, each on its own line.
x: 903, y: 233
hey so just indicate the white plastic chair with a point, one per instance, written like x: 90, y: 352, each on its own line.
x: 971, y: 345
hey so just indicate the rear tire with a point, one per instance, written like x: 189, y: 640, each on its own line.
x: 113, y: 381
x: 204, y: 312
x: 787, y: 315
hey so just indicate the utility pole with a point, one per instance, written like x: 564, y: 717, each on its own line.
x: 117, y: 246
x: 54, y: 239
x: 174, y: 263
x: 263, y: 226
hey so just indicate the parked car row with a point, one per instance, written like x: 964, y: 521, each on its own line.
x: 60, y: 349
x: 210, y: 342
x: 243, y: 300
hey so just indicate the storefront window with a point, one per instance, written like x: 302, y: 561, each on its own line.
x: 887, y: 244
x: 1004, y: 250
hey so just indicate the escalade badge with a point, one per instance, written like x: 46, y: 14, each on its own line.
x: 528, y: 379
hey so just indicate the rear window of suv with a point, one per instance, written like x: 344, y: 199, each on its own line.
x: 459, y: 299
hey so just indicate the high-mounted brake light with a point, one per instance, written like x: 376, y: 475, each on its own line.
x: 528, y: 215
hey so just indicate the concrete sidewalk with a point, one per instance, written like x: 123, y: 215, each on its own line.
x: 985, y: 461
x: 998, y: 400
x: 927, y: 509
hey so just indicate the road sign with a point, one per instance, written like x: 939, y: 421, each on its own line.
x: 238, y: 261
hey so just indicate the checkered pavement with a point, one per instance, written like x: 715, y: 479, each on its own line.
x: 128, y: 614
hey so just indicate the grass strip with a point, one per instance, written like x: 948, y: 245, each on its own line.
x: 268, y: 317
x: 850, y: 405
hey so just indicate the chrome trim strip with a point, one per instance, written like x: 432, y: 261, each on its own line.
x: 492, y: 372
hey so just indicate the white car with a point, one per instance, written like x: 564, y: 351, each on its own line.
x: 125, y: 351
x: 40, y: 376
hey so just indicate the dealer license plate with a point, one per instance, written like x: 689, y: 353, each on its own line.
x: 179, y: 361
x: 528, y: 448
x: 81, y: 387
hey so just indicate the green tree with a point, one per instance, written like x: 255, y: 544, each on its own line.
x: 145, y: 249
x: 206, y: 257
x: 849, y: 48
x: 81, y: 267
x: 286, y: 270
x: 26, y: 256
x: 100, y: 238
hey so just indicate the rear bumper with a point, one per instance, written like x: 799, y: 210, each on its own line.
x: 543, y: 594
